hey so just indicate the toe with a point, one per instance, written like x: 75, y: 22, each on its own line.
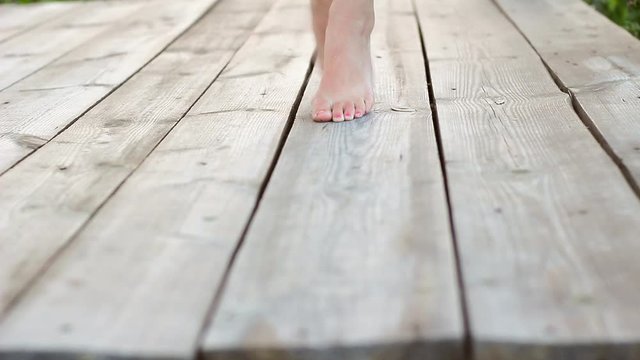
x: 338, y: 112
x: 349, y: 110
x: 322, y: 110
x: 360, y: 109
x: 368, y: 101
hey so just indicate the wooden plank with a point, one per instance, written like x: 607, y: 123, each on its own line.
x: 63, y: 184
x: 24, y: 55
x: 599, y: 63
x: 546, y: 226
x: 17, y: 19
x: 350, y: 255
x: 139, y: 279
x: 39, y: 107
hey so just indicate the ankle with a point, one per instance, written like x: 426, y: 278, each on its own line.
x: 354, y: 19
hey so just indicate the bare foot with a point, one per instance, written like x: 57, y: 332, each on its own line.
x: 346, y: 89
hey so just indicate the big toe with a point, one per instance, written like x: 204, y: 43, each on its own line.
x: 322, y: 110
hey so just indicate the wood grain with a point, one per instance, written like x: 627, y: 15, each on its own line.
x: 26, y: 54
x: 19, y: 19
x: 546, y: 225
x: 349, y: 255
x: 67, y: 180
x: 138, y: 281
x: 36, y: 109
x: 599, y: 64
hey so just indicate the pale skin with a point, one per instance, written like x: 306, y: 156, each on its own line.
x: 343, y: 30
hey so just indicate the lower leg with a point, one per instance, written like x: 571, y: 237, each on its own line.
x: 320, y: 11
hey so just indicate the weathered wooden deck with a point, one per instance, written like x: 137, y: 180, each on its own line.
x: 164, y: 193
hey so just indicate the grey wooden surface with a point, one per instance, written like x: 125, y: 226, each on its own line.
x: 39, y: 107
x: 546, y: 224
x: 164, y: 193
x: 24, y: 55
x: 598, y: 63
x: 18, y: 19
x: 61, y: 186
x: 349, y: 255
x: 192, y: 186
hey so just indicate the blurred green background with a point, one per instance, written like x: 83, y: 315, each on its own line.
x: 626, y: 13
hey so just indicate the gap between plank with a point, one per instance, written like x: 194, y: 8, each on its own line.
x: 42, y: 67
x: 209, y: 318
x: 468, y: 352
x: 20, y: 294
x: 29, y: 29
x: 579, y: 110
x: 48, y: 63
x: 115, y: 88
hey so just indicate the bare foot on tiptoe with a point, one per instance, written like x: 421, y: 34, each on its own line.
x: 343, y: 31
